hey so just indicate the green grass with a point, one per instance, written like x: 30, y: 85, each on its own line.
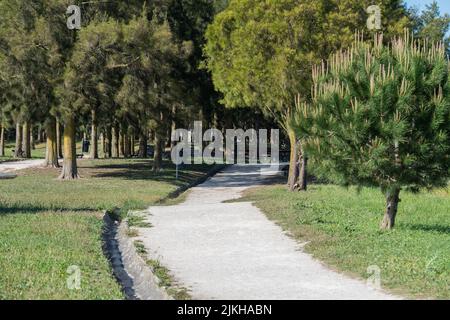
x: 48, y: 225
x: 342, y: 226
x: 38, y: 153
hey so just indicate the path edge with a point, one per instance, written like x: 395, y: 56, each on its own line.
x: 136, y: 278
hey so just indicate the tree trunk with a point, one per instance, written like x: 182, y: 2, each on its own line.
x: 26, y: 148
x: 143, y: 145
x: 115, y: 142
x: 103, y: 143
x: 122, y: 143
x: 32, y: 138
x: 126, y: 145
x: 51, y: 155
x: 70, y: 169
x: 157, y: 159
x: 392, y: 201
x: 59, y: 144
x: 293, y: 162
x: 132, y: 142
x: 94, y: 136
x: 173, y: 126
x: 18, y: 147
x: 2, y: 141
x: 108, y: 142
x: 40, y: 134
x: 303, y: 177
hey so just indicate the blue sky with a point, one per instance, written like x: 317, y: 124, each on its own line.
x: 444, y: 5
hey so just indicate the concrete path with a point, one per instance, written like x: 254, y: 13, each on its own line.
x: 20, y: 165
x: 232, y: 251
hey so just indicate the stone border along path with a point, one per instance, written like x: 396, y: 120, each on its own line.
x: 232, y: 251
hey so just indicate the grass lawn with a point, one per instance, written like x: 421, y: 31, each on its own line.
x: 342, y: 226
x: 47, y: 225
x: 38, y: 153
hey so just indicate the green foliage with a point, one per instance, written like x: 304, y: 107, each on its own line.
x: 430, y: 24
x: 381, y: 115
x: 260, y: 52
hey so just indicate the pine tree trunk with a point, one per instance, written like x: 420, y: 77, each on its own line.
x: 70, y: 169
x: 132, y: 143
x: 94, y: 136
x: 122, y: 143
x: 294, y: 171
x: 40, y: 134
x: 51, y: 155
x: 151, y: 136
x: 126, y: 145
x: 2, y: 141
x: 303, y: 177
x: 143, y: 145
x: 59, y: 144
x: 103, y: 143
x: 173, y: 127
x: 18, y: 147
x: 157, y: 160
x: 32, y: 138
x: 392, y: 201
x: 115, y: 142
x: 26, y: 148
x: 108, y: 142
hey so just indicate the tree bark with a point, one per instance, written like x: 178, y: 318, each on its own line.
x: 18, y: 147
x: 126, y: 145
x: 157, y: 159
x: 59, y: 144
x: 303, y: 176
x: 70, y: 169
x: 132, y: 143
x: 26, y: 148
x: 2, y: 141
x: 32, y: 138
x: 41, y: 134
x: 143, y: 145
x: 94, y: 136
x: 173, y: 126
x: 392, y: 201
x: 293, y: 162
x: 122, y: 143
x: 115, y: 142
x: 51, y: 155
x: 108, y: 142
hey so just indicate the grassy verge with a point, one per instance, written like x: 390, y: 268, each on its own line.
x: 47, y: 225
x: 341, y: 226
x: 162, y: 274
x: 37, y: 153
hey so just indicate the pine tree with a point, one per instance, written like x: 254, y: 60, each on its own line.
x: 260, y: 52
x: 380, y: 116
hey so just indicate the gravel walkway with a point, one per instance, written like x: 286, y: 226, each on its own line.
x: 232, y: 251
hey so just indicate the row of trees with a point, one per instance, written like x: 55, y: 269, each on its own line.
x: 131, y: 72
x: 366, y: 116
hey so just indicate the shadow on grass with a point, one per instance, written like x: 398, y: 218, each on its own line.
x: 29, y: 209
x: 427, y: 228
x: 142, y: 170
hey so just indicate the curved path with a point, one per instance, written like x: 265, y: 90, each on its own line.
x: 232, y: 251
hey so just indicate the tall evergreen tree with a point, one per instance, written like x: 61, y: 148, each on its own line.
x: 260, y: 52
